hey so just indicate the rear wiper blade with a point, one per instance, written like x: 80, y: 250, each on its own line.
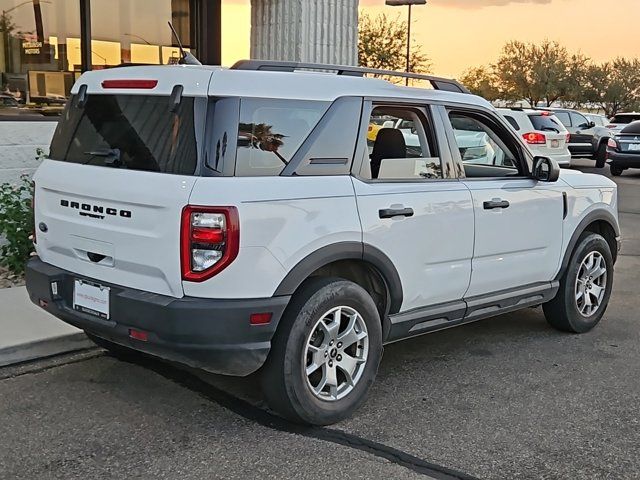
x: 550, y: 129
x: 112, y: 157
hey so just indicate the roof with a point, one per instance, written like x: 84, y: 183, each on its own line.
x: 201, y: 80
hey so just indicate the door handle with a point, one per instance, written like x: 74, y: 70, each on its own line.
x: 395, y: 212
x: 495, y: 203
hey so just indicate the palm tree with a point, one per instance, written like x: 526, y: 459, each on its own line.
x: 259, y: 135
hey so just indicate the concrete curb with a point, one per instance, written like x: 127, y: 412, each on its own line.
x: 44, y: 348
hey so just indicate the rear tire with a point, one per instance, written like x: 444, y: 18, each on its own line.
x: 329, y: 334
x: 601, y: 155
x: 615, y: 170
x: 585, y: 287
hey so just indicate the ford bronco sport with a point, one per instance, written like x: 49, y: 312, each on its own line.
x: 241, y: 219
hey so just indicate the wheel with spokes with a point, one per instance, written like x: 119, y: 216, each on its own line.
x: 585, y: 287
x: 325, y: 354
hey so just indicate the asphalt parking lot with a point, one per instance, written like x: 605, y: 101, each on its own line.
x: 504, y: 398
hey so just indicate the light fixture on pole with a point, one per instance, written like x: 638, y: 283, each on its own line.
x: 409, y: 3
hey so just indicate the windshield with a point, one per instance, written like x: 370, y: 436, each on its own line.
x: 126, y: 131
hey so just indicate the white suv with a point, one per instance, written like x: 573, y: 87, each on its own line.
x: 542, y: 131
x: 239, y: 219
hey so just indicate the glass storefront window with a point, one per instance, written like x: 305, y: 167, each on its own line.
x: 136, y: 31
x: 36, y: 64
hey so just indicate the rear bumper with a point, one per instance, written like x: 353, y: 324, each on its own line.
x: 214, y: 335
x: 562, y: 159
x: 624, y: 160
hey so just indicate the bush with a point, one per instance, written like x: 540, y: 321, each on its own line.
x: 16, y: 224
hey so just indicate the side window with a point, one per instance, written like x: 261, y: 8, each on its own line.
x: 401, y: 146
x: 564, y: 118
x: 271, y: 131
x: 482, y: 150
x: 512, y: 122
x: 579, y: 121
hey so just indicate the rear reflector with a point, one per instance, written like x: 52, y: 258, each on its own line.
x: 144, y: 84
x: 138, y: 335
x: 260, y: 318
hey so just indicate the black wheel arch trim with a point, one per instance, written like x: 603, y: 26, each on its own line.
x: 594, y: 216
x: 345, y: 251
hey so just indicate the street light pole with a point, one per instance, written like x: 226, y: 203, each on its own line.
x: 409, y: 3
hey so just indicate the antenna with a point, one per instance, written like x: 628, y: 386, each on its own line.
x: 186, y: 58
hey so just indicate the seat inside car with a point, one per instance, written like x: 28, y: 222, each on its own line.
x: 389, y: 144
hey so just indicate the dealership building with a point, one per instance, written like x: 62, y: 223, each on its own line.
x: 45, y: 45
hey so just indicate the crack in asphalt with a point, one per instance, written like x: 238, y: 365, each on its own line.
x: 257, y: 415
x: 246, y: 410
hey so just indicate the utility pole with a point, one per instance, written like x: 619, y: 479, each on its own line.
x: 409, y: 3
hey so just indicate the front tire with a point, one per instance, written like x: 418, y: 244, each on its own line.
x: 615, y: 170
x: 585, y: 287
x: 601, y: 155
x: 325, y: 354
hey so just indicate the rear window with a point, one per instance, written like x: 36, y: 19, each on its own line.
x: 546, y: 123
x: 136, y: 132
x: 624, y: 119
x: 271, y: 131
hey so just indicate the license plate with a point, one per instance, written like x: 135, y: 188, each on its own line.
x: 634, y: 147
x: 555, y: 143
x: 91, y: 298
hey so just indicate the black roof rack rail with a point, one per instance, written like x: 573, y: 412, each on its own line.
x: 438, y: 83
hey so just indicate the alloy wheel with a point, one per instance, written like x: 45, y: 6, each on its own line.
x: 336, y: 353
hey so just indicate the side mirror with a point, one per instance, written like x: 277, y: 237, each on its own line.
x: 545, y: 169
x: 591, y: 124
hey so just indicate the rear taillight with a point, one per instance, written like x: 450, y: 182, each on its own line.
x: 210, y: 240
x: 535, y: 138
x: 568, y: 137
x: 611, y: 143
x: 610, y: 126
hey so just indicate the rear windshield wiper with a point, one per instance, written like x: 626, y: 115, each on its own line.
x: 111, y: 157
x: 550, y: 129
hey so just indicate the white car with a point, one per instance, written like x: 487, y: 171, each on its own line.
x: 235, y: 220
x: 621, y: 120
x: 542, y: 131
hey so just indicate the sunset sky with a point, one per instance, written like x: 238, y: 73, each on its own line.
x: 458, y: 34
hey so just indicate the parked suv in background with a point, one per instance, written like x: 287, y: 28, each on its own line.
x: 542, y: 131
x: 587, y: 139
x: 238, y: 220
x: 623, y: 150
x: 621, y: 120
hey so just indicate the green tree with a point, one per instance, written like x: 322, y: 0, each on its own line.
x: 382, y: 44
x: 537, y: 72
x: 482, y: 81
x: 614, y: 86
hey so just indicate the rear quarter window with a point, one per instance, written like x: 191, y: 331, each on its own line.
x: 512, y: 122
x: 270, y: 132
x: 564, y: 118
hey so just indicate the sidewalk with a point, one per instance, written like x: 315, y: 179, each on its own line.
x: 27, y: 332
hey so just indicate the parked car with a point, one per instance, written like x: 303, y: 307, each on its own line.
x: 581, y: 129
x: 542, y: 131
x: 621, y: 120
x: 623, y: 150
x: 237, y: 220
x: 599, y: 120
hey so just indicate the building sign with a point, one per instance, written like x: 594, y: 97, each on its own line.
x: 36, y: 51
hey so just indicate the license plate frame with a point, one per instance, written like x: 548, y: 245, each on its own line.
x: 633, y: 147
x: 91, y: 298
x: 555, y: 143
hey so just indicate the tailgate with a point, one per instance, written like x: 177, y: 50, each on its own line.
x: 115, y: 225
